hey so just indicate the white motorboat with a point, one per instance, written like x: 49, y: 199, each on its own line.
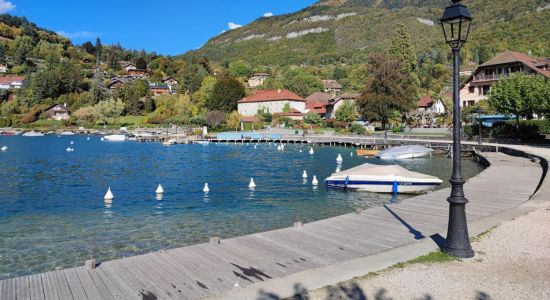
x: 404, y: 152
x: 383, y: 179
x: 115, y: 138
x: 33, y: 133
x: 67, y: 133
x: 169, y: 142
x: 204, y: 143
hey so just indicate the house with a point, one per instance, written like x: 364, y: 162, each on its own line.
x: 11, y: 82
x: 478, y: 85
x: 137, y: 73
x: 257, y: 79
x: 159, y: 89
x: 118, y: 82
x: 171, y: 81
x: 3, y: 68
x: 335, y: 103
x: 332, y: 86
x: 293, y: 114
x: 128, y: 66
x: 318, y: 102
x: 428, y: 105
x: 57, y: 112
x: 272, y: 101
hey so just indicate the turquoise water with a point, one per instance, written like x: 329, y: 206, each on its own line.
x: 52, y: 212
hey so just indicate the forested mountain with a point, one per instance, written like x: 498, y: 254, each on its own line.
x: 348, y: 30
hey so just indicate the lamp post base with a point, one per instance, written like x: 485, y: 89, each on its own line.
x: 462, y: 253
x: 457, y: 242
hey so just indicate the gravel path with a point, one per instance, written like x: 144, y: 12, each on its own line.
x: 511, y: 262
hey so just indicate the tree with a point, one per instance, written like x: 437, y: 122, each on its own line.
x: 521, y: 95
x: 215, y: 118
x: 234, y: 120
x: 339, y: 73
x: 347, y: 112
x: 2, y: 54
x: 286, y: 108
x: 86, y: 114
x: 203, y: 95
x: 193, y: 74
x: 149, y: 104
x: 109, y: 109
x: 303, y: 84
x: 387, y: 89
x: 240, y: 69
x: 227, y: 91
x: 401, y: 48
x: 98, y: 52
x: 141, y: 63
x: 89, y: 47
x: 313, y: 118
x: 98, y: 92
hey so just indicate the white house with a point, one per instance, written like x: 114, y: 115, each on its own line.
x: 11, y: 82
x: 272, y: 101
x: 257, y: 79
x: 3, y: 68
x: 428, y: 105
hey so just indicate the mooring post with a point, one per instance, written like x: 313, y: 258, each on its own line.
x: 298, y: 225
x: 215, y: 240
x: 90, y: 264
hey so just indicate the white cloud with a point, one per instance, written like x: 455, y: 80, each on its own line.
x: 76, y: 34
x: 6, y: 6
x: 232, y: 25
x: 268, y: 14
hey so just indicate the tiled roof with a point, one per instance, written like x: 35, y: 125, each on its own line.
x: 10, y: 79
x: 511, y: 56
x: 271, y: 95
x: 425, y: 101
x: 318, y: 97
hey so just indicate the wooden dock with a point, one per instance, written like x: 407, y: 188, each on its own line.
x: 211, y: 269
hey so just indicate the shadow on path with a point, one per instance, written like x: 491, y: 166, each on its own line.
x: 417, y: 234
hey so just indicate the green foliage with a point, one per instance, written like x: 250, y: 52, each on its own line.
x: 109, y: 110
x: 240, y: 69
x: 302, y: 83
x: 347, y: 112
x: 521, y: 95
x: 527, y: 131
x: 357, y: 128
x: 234, y: 120
x: 313, y: 118
x: 227, y: 91
x: 401, y: 49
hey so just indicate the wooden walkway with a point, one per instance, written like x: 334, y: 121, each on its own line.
x: 205, y: 270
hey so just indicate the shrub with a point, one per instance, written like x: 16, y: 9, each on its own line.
x: 157, y: 119
x: 528, y: 131
x: 357, y: 128
x: 397, y: 129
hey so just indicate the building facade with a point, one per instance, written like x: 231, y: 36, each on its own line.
x: 478, y: 85
x: 272, y: 101
x: 257, y: 79
x: 11, y: 82
x: 335, y: 103
x: 58, y: 112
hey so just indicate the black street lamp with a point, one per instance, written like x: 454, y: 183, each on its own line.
x: 456, y: 21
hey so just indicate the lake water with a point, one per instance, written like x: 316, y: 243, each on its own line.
x: 52, y: 212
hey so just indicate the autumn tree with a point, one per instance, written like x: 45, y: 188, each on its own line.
x: 234, y: 120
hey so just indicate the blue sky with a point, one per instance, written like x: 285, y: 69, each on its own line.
x: 165, y: 26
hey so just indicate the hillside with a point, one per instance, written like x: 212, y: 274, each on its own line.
x: 347, y: 30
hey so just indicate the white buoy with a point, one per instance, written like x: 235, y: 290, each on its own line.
x: 109, y: 195
x: 72, y: 143
x: 311, y: 152
x: 88, y: 138
x: 252, y: 184
x: 255, y: 147
x: 315, y: 181
x: 304, y: 175
x: 69, y: 149
x: 4, y: 148
x: 102, y: 139
x: 159, y: 190
x: 206, y: 189
x: 300, y: 150
x: 351, y: 154
x: 339, y: 159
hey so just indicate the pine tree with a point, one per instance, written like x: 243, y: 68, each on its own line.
x: 2, y: 54
x: 401, y: 48
x: 98, y: 51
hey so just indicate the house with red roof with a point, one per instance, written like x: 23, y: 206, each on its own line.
x: 11, y: 82
x: 317, y: 102
x: 478, y: 85
x: 272, y: 101
x: 428, y: 105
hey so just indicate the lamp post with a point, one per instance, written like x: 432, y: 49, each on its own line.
x: 385, y: 124
x: 456, y: 21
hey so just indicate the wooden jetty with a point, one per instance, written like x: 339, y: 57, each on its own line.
x: 214, y: 268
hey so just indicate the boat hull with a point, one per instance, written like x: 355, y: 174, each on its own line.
x: 115, y: 138
x: 367, y: 152
x: 407, y: 156
x: 403, y: 187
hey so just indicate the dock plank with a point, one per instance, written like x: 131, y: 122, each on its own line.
x: 50, y: 290
x: 74, y: 284
x: 63, y: 289
x: 35, y: 287
x: 87, y: 283
x: 23, y: 289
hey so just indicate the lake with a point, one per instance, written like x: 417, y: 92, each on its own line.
x: 52, y: 212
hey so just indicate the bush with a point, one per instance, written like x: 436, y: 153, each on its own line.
x: 528, y: 131
x: 357, y: 128
x: 397, y: 129
x: 5, y: 122
x: 157, y: 119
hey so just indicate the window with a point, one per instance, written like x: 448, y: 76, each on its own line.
x: 486, y: 89
x: 471, y: 89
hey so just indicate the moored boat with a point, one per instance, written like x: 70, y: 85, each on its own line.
x: 67, y: 133
x: 383, y: 179
x: 33, y: 134
x: 116, y: 138
x: 405, y: 152
x: 367, y: 152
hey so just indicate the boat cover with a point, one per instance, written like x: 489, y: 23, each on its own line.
x: 403, y: 150
x: 383, y: 172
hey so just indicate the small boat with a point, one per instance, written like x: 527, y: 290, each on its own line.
x: 67, y: 133
x: 383, y: 179
x: 115, y: 138
x: 403, y: 152
x: 7, y: 133
x: 169, y: 142
x: 367, y: 152
x: 33, y: 133
x: 204, y: 143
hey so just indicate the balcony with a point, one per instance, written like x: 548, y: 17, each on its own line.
x: 489, y: 77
